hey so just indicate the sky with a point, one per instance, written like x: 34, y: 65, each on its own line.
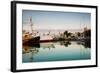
x: 55, y: 20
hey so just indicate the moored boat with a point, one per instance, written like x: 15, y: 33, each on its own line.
x: 34, y: 41
x: 31, y: 39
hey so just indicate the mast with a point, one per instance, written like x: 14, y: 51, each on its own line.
x: 31, y: 25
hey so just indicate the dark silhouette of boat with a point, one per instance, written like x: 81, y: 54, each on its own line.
x: 29, y: 38
x: 34, y: 41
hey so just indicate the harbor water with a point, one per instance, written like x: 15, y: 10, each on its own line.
x: 56, y: 51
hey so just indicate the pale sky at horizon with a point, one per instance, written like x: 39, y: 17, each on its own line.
x: 56, y: 20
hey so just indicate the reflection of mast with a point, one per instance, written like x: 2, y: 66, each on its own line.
x: 33, y: 52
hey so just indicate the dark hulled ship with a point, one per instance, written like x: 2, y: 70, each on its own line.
x: 31, y: 39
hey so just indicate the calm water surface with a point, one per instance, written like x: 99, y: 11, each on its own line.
x: 56, y: 51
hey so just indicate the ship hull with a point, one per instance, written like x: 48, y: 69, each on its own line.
x: 32, y: 41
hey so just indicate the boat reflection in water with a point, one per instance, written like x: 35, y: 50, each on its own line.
x: 56, y: 51
x: 29, y: 52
